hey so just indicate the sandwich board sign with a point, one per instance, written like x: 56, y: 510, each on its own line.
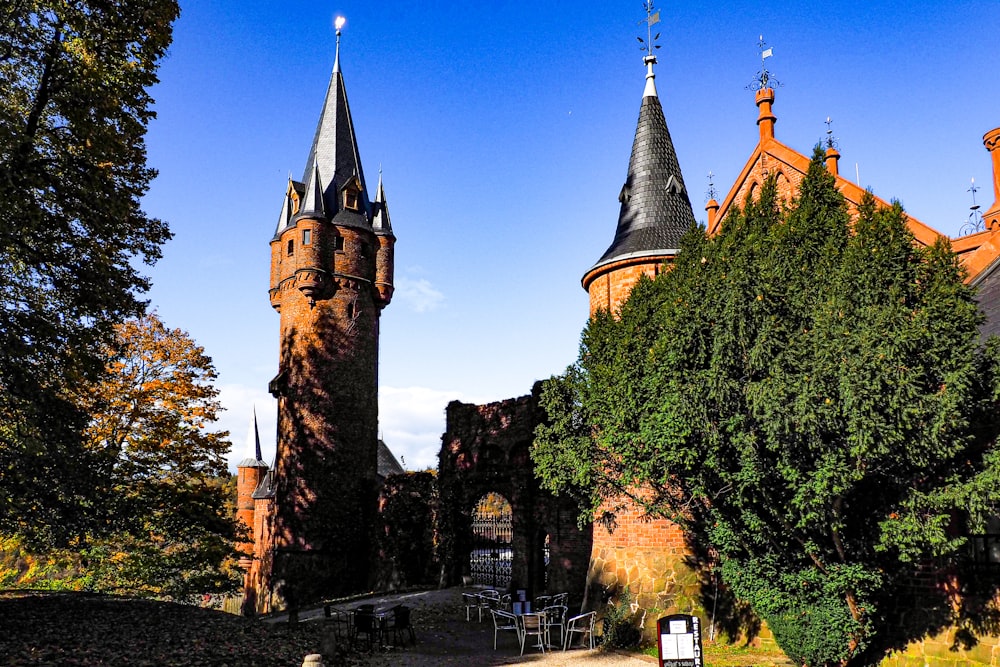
x: 679, y: 641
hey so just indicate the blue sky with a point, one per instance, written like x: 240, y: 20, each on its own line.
x: 503, y: 131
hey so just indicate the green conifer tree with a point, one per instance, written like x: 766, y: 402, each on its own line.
x: 811, y: 400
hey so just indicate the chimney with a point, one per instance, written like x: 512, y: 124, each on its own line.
x: 991, y: 140
x: 766, y: 118
x: 712, y: 207
x: 832, y: 160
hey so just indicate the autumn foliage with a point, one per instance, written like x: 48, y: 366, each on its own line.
x: 167, y: 527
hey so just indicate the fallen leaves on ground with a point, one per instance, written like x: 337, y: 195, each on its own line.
x: 82, y: 630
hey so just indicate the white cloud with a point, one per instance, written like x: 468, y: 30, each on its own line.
x: 419, y: 295
x: 238, y: 402
x: 411, y: 421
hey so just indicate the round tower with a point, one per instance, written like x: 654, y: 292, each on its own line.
x: 329, y: 282
x: 646, y: 555
x: 249, y: 473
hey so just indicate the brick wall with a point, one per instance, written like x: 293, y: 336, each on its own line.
x: 327, y: 408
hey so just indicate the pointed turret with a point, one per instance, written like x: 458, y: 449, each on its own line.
x: 313, y: 201
x: 380, y: 218
x: 249, y: 473
x: 334, y: 162
x: 385, y: 257
x: 655, y: 208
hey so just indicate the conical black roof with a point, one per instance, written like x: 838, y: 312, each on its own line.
x: 333, y: 163
x: 655, y: 209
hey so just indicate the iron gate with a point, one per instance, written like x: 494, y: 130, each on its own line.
x: 492, y: 532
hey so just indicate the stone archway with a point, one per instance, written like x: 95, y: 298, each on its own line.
x: 492, y: 552
x: 484, y: 450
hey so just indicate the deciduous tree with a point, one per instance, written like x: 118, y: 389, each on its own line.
x: 173, y: 527
x: 74, y: 106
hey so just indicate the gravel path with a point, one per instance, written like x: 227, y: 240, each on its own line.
x: 444, y: 637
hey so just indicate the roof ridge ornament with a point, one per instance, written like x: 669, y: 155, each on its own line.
x: 831, y: 141
x: 763, y: 80
x: 648, y: 45
x: 712, y: 193
x: 974, y: 223
x: 652, y: 18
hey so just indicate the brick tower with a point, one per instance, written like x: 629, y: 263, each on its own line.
x: 331, y: 275
x: 249, y: 473
x: 647, y: 556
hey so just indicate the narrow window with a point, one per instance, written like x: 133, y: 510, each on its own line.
x: 307, y: 236
x: 365, y: 249
x: 350, y: 311
x: 291, y: 247
x: 338, y: 243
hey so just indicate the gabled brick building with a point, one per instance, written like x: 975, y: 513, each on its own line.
x: 650, y: 556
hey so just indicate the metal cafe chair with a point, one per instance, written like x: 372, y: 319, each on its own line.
x: 533, y: 625
x: 488, y: 600
x: 470, y: 601
x: 399, y: 622
x: 366, y: 624
x: 340, y: 620
x: 555, y: 620
x: 582, y: 625
x: 504, y: 621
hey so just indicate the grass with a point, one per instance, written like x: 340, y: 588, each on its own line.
x: 717, y: 654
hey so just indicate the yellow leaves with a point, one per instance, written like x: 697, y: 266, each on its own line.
x: 77, y: 48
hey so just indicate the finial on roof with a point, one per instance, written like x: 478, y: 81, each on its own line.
x: 652, y: 18
x: 648, y: 45
x: 832, y: 154
x: 974, y: 223
x: 831, y: 141
x: 763, y: 80
x: 712, y: 192
x: 338, y: 23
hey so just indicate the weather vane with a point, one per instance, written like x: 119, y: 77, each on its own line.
x: 652, y: 18
x: 712, y: 193
x: 975, y: 221
x: 831, y: 141
x: 763, y: 79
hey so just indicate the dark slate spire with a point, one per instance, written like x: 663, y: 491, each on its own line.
x: 380, y: 217
x: 655, y: 209
x: 334, y: 162
x: 253, y: 437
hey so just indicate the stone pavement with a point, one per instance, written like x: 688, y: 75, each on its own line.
x: 444, y: 637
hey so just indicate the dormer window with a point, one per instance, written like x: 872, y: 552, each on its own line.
x: 352, y: 194
x: 351, y: 200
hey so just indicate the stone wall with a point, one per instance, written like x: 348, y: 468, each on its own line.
x: 486, y: 448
